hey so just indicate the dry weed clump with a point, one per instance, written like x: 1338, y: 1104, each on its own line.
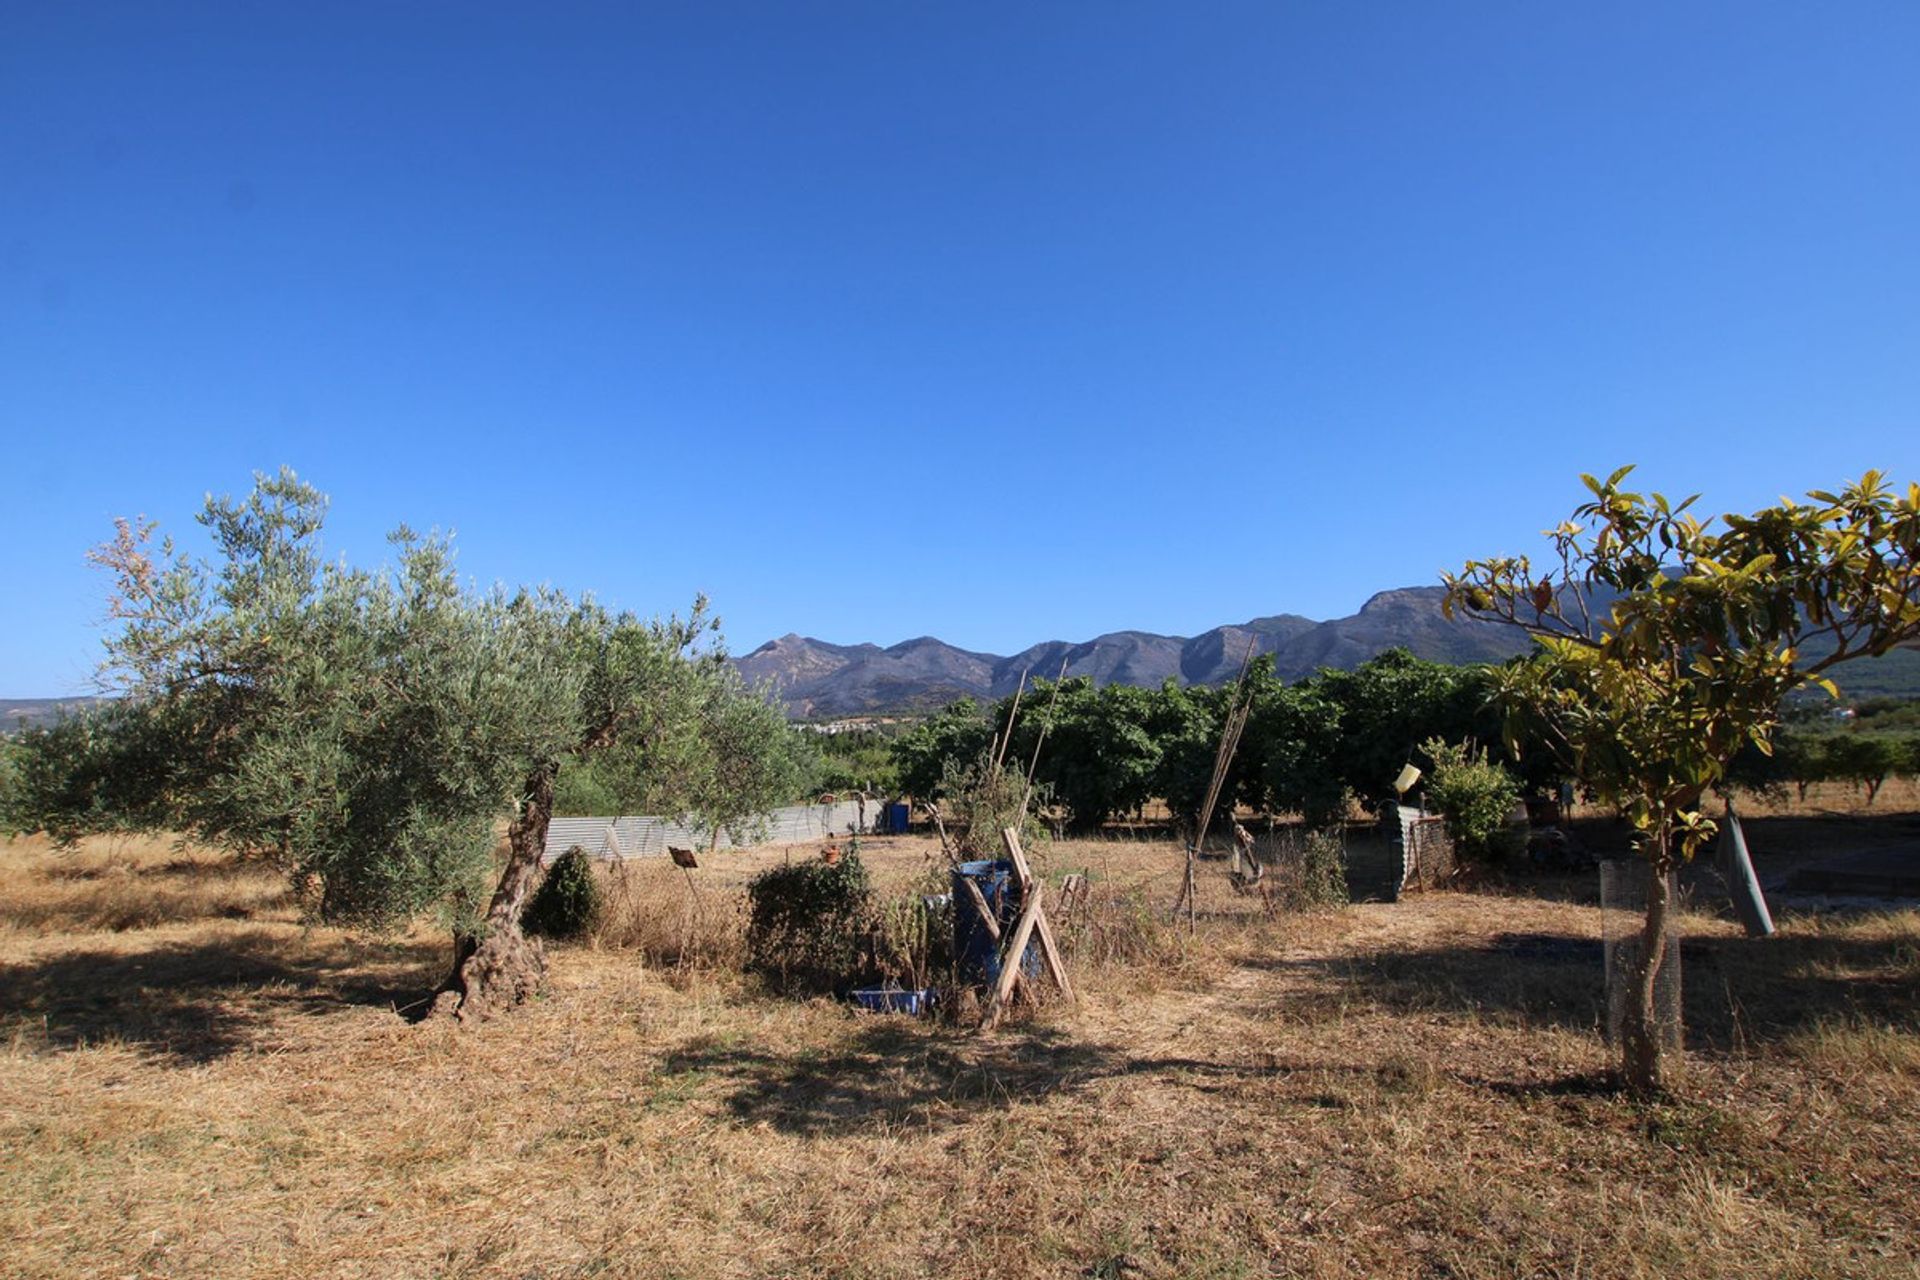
x: 669, y: 918
x: 1305, y: 870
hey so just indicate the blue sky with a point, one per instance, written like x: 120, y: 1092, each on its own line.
x: 994, y: 322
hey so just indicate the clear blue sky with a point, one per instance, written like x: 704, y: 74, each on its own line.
x: 994, y: 322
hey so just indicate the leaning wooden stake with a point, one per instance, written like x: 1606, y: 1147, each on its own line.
x: 1006, y: 740
x: 1011, y: 955
x: 992, y: 926
x: 1031, y: 923
x: 1049, y: 949
x: 1230, y: 730
x: 1033, y: 765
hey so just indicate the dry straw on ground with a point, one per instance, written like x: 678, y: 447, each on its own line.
x: 194, y: 1084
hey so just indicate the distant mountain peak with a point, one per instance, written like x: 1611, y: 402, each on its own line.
x: 815, y: 678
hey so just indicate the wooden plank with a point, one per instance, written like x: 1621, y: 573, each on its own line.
x: 1049, y: 949
x: 992, y: 926
x: 981, y: 907
x: 1010, y: 836
x: 1050, y: 952
x: 1011, y: 956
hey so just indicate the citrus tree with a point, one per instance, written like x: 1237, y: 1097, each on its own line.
x: 1707, y: 625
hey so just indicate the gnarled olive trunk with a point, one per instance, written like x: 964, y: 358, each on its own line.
x: 500, y: 966
x: 1641, y: 1034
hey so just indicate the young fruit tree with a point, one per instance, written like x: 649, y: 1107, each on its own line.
x: 1666, y: 644
x: 370, y: 730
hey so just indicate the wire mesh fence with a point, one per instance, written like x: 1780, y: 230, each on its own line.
x: 1624, y: 883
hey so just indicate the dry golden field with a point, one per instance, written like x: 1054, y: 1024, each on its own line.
x: 194, y: 1084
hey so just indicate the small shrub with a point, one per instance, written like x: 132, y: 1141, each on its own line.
x: 569, y: 902
x: 1306, y: 869
x: 1323, y: 862
x: 808, y: 924
x: 1476, y: 795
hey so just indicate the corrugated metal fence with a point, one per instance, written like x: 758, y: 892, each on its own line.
x: 644, y: 837
x: 1424, y: 849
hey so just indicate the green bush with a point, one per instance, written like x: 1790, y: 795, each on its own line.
x: 568, y: 902
x: 1476, y: 795
x: 808, y: 924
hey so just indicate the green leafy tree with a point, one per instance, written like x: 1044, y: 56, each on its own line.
x: 1099, y: 753
x: 1866, y: 760
x: 1314, y: 746
x: 1185, y: 723
x: 954, y: 735
x: 1193, y: 721
x: 1295, y: 735
x: 855, y: 760
x: 1707, y: 632
x: 94, y: 771
x: 1798, y: 757
x: 1387, y: 706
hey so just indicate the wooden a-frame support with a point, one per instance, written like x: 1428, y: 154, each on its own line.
x: 1031, y: 923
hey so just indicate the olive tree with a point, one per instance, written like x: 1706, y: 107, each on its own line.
x: 1708, y: 628
x: 370, y: 729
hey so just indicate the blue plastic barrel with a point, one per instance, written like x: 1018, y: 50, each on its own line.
x: 899, y: 818
x: 976, y: 954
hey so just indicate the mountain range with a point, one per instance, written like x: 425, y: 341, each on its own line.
x: 815, y: 679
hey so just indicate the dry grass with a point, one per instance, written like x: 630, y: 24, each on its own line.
x: 1410, y: 1090
x: 1897, y: 795
x: 132, y: 883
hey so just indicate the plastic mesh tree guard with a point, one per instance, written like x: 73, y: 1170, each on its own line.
x: 1623, y: 926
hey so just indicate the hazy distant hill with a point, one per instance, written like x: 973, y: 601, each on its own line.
x: 15, y: 712
x: 819, y: 679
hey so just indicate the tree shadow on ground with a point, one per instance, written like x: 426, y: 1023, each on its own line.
x: 894, y: 1073
x: 1735, y: 991
x: 1778, y: 844
x: 195, y: 1002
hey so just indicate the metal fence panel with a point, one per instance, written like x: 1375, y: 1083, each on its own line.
x: 648, y: 837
